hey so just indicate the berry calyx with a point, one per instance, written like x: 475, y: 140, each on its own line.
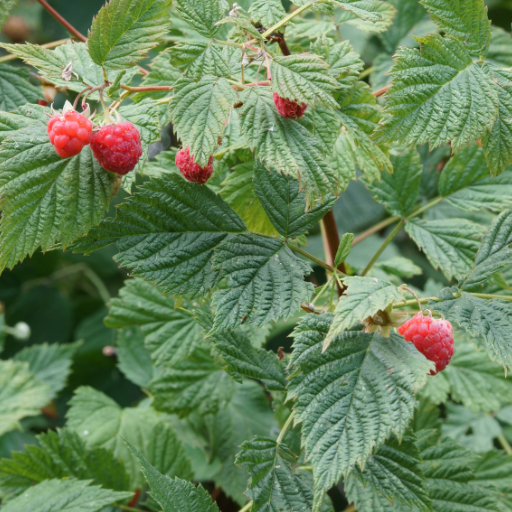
x: 117, y: 147
x: 290, y: 109
x: 192, y: 171
x: 69, y: 133
x: 433, y: 338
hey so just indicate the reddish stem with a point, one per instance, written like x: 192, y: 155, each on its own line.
x: 147, y: 89
x: 62, y: 21
x: 255, y: 84
x: 332, y: 239
x: 383, y: 90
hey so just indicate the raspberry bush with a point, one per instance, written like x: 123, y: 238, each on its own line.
x: 308, y: 271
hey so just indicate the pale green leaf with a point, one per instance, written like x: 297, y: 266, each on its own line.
x: 64, y: 496
x: 439, y: 95
x: 267, y: 12
x: 169, y: 332
x: 196, y: 383
x: 364, y: 297
x: 6, y: 7
x: 274, y: 485
x: 364, y: 9
x: 494, y: 252
x: 200, y: 112
x: 63, y: 455
x: 344, y: 249
x: 265, y: 279
x: 134, y: 359
x: 304, y: 78
x: 343, y: 60
x: 285, y: 145
x: 386, y: 11
x: 124, y: 31
x: 399, y: 191
x: 500, y: 49
x: 352, y: 397
x: 21, y: 394
x: 173, y: 244
x: 202, y: 15
x: 494, y: 470
x: 198, y: 59
x: 345, y: 158
x: 450, y: 245
x: 399, y: 266
x: 285, y: 203
x: 15, y: 87
x: 464, y: 19
x: 49, y: 363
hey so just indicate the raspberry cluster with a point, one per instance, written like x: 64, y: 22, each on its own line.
x: 433, y: 338
x: 117, y: 147
x: 289, y: 108
x: 69, y: 133
x: 192, y: 171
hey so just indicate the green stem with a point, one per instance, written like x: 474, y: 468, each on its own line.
x: 105, y: 109
x: 350, y: 508
x: 53, y: 44
x: 285, y: 428
x: 392, y: 235
x: 310, y: 257
x: 366, y: 72
x: 413, y: 302
x: 127, y: 508
x: 435, y: 201
x: 227, y: 43
x: 505, y: 444
x: 284, y: 21
x: 375, y: 229
x: 246, y: 507
x: 306, y: 468
x: 489, y: 296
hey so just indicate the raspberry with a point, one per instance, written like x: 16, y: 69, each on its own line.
x: 192, y: 171
x: 289, y: 108
x: 69, y: 133
x: 117, y: 147
x: 433, y: 338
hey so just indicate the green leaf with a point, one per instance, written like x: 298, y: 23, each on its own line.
x: 386, y: 11
x: 64, y: 496
x: 285, y: 203
x: 238, y: 190
x: 21, y: 394
x: 198, y: 59
x: 99, y: 421
x: 364, y: 297
x: 399, y: 266
x: 490, y: 319
x: 124, y: 31
x: 395, y: 472
x: 304, y: 78
x: 51, y: 64
x: 243, y: 25
x: 169, y: 333
x: 494, y: 252
x: 399, y: 191
x: 464, y: 19
x: 202, y: 15
x: 494, y: 470
x: 324, y: 124
x: 345, y: 158
x: 500, y: 49
x: 352, y: 397
x: 267, y: 12
x: 344, y: 249
x: 49, y: 363
x: 46, y: 199
x: 364, y: 9
x: 174, y: 495
x: 15, y: 87
x: 6, y: 7
x: 173, y: 244
x: 285, y: 145
x: 448, y: 97
x: 134, y: 360
x: 498, y: 143
x: 200, y: 112
x: 195, y: 383
x: 344, y: 62
x: 243, y: 359
x: 265, y: 279
x: 63, y: 455
x: 448, y: 244
x: 274, y: 485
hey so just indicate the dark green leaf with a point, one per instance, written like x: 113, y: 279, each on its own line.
x: 202, y: 15
x: 199, y: 59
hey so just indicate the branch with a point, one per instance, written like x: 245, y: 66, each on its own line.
x: 375, y: 229
x: 284, y: 21
x: 147, y: 89
x: 310, y: 257
x: 62, y: 21
x: 380, y: 92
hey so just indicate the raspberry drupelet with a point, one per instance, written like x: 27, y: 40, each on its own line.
x: 433, y: 338
x: 117, y: 147
x: 69, y: 133
x: 192, y: 171
x: 289, y: 108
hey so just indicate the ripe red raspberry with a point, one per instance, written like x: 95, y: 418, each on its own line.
x: 117, y: 147
x: 192, y: 171
x: 289, y: 108
x: 69, y: 133
x: 433, y: 338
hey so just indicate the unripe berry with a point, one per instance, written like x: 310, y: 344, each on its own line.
x: 69, y: 133
x: 289, y: 108
x: 117, y: 147
x: 433, y: 338
x: 192, y: 171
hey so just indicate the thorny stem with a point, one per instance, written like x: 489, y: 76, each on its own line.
x: 269, y: 73
x: 75, y: 103
x: 285, y: 428
x: 310, y: 257
x: 505, y: 444
x: 392, y: 235
x: 415, y: 296
x: 62, y: 21
x: 54, y: 44
x: 148, y: 88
